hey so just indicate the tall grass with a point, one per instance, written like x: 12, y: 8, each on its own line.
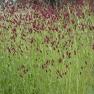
x: 47, y: 51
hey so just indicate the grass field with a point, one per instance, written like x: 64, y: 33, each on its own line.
x: 43, y: 52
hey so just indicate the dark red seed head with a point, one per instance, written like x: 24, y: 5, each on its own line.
x: 93, y: 46
x: 86, y: 62
x: 60, y: 60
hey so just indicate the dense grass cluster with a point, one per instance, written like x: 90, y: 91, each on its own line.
x: 47, y: 51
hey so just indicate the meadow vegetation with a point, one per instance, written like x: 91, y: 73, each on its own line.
x: 45, y: 50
